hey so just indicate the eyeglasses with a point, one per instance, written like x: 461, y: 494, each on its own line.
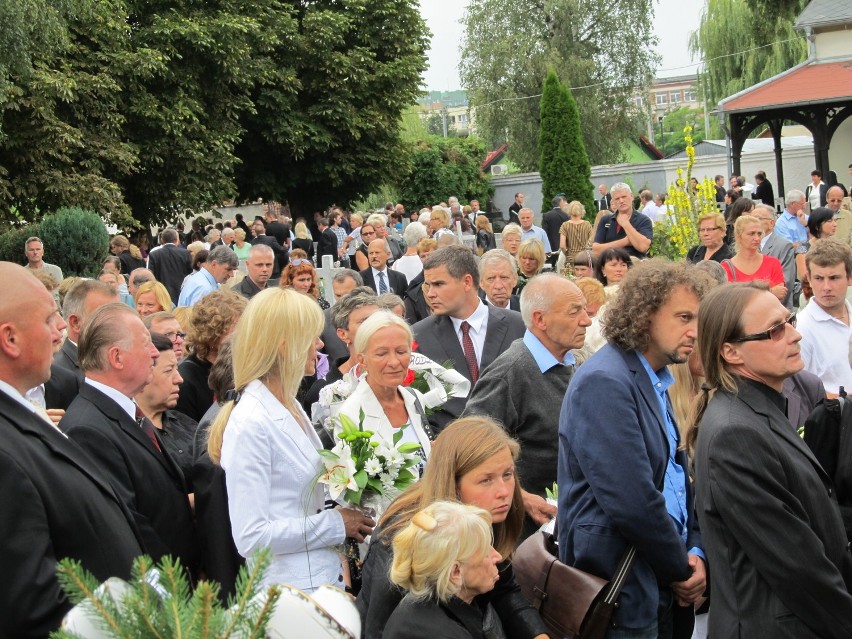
x: 174, y: 336
x: 710, y: 229
x: 774, y: 332
x: 300, y: 261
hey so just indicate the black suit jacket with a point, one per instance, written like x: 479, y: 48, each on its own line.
x: 55, y: 503
x: 764, y: 192
x: 514, y: 301
x: 249, y: 289
x: 327, y: 245
x: 803, y: 390
x: 170, y: 265
x: 397, y: 282
x: 416, y: 307
x: 333, y: 346
x: 437, y: 340
x: 67, y: 358
x: 281, y: 232
x: 551, y: 222
x: 773, y: 534
x: 62, y: 387
x: 147, y: 480
x: 604, y: 202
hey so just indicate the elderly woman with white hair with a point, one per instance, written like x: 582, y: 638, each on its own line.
x: 410, y: 264
x: 383, y: 348
x: 444, y: 558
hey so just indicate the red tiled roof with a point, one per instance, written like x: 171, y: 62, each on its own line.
x: 809, y: 84
x: 492, y: 157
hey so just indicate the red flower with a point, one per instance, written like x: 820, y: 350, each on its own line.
x: 414, y: 345
x: 409, y: 377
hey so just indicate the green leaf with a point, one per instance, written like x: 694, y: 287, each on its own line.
x: 408, y: 447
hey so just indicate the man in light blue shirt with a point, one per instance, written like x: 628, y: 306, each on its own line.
x: 788, y: 225
x: 218, y: 269
x: 539, y: 366
x: 531, y: 231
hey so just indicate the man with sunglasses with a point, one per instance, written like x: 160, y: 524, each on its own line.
x: 834, y: 201
x: 770, y: 522
x: 824, y: 323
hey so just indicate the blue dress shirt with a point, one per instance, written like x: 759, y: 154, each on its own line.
x: 789, y: 227
x: 543, y: 357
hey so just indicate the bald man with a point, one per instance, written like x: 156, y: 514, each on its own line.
x: 54, y: 500
x: 540, y: 365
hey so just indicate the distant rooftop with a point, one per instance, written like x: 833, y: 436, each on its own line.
x: 820, y: 13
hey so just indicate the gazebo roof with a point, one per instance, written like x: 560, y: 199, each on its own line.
x: 812, y: 81
x: 821, y: 13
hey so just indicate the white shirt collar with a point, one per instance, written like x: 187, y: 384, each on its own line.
x: 478, y: 320
x: 127, y: 404
x: 12, y: 392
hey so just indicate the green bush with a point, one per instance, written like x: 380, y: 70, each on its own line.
x: 441, y: 167
x: 76, y: 241
x: 12, y: 243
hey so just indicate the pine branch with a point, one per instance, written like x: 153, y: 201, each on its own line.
x: 258, y: 630
x: 80, y: 584
x: 247, y: 584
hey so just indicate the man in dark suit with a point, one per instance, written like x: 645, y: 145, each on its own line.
x: 80, y: 302
x: 259, y: 265
x: 275, y: 228
x: 498, y: 276
x: 462, y: 329
x: 117, y: 357
x: 776, y: 246
x: 170, y: 263
x: 282, y: 254
x: 515, y: 207
x: 770, y: 520
x: 55, y: 501
x: 379, y: 277
x: 342, y: 283
x: 719, y: 185
x: 763, y: 191
x: 623, y: 476
x: 551, y: 222
x: 605, y: 201
x: 327, y: 244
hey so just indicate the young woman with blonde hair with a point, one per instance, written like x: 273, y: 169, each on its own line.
x: 473, y: 462
x: 265, y: 444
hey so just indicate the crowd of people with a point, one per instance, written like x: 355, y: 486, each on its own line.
x: 163, y: 409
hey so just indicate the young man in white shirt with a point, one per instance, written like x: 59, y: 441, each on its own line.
x: 824, y: 323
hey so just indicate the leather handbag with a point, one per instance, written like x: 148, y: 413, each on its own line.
x: 572, y: 603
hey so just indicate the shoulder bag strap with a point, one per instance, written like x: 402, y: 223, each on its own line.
x: 733, y: 269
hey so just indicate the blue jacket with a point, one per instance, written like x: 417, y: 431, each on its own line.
x: 612, y: 462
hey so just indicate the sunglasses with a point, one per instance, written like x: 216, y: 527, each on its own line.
x: 774, y: 332
x: 300, y: 261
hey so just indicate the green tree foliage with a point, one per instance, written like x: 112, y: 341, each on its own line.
x: 440, y: 167
x: 63, y: 122
x: 12, y: 243
x: 435, y: 124
x: 729, y: 26
x: 603, y: 49
x: 563, y: 165
x: 165, y: 107
x: 76, y: 241
x: 326, y: 126
x: 672, y: 138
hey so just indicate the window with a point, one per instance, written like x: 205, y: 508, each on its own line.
x: 689, y: 96
x: 662, y: 98
x: 675, y: 97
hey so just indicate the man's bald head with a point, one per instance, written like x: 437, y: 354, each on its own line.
x: 138, y: 277
x: 834, y: 198
x: 30, y: 329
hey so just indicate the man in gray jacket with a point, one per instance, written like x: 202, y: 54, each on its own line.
x: 539, y: 366
x: 778, y: 247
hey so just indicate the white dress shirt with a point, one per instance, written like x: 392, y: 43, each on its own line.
x: 126, y: 403
x: 825, y: 346
x: 271, y: 468
x: 478, y: 321
x: 387, y: 279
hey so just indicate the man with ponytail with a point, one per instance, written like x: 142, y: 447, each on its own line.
x: 770, y: 522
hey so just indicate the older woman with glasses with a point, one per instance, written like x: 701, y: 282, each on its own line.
x: 711, y: 232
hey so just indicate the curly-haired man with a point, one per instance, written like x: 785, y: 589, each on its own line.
x: 622, y: 477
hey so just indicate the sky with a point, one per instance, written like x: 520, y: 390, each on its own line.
x: 673, y: 22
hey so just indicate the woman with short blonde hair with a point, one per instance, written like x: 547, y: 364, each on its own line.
x: 530, y: 260
x: 152, y: 297
x: 511, y: 238
x: 443, y: 559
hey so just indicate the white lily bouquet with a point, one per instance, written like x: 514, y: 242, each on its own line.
x: 363, y: 464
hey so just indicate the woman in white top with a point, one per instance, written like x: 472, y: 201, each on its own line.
x: 268, y: 449
x: 383, y: 347
x: 410, y: 264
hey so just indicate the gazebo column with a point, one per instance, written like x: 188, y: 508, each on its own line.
x: 775, y: 128
x: 737, y: 142
x: 821, y: 140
